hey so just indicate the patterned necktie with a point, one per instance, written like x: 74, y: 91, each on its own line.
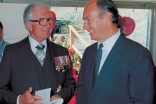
x: 98, y: 56
x: 40, y: 53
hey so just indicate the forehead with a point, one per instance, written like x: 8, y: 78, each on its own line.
x: 41, y: 13
x: 90, y: 10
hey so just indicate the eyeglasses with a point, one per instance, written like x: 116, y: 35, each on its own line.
x: 43, y: 21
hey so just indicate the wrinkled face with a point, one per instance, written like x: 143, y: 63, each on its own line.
x: 37, y: 32
x: 93, y: 23
x: 1, y: 33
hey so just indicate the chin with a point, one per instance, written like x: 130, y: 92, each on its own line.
x: 47, y: 35
x: 93, y: 38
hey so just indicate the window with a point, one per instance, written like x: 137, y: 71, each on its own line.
x: 141, y: 18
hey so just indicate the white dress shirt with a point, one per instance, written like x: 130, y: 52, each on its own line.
x: 34, y: 43
x: 107, y: 46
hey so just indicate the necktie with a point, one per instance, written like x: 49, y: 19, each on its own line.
x: 40, y: 53
x: 98, y: 56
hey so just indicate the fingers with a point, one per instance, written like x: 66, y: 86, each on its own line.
x: 56, y: 96
x: 37, y: 97
x: 27, y: 98
x: 29, y: 90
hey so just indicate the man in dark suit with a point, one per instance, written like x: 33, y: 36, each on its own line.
x: 21, y: 74
x: 125, y: 73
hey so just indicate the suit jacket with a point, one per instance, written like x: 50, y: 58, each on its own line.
x: 126, y: 76
x: 18, y: 72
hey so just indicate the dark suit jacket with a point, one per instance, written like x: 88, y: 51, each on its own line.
x: 125, y: 78
x: 18, y: 72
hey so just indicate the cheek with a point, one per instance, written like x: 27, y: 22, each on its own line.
x: 36, y: 29
x: 93, y: 24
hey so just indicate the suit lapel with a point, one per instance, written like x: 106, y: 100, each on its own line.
x: 90, y: 67
x: 107, y: 67
x: 25, y: 54
x: 53, y: 73
x: 54, y: 52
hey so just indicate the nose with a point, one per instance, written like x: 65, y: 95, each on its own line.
x: 85, y: 26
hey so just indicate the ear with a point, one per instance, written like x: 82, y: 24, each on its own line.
x: 28, y: 26
x: 107, y: 17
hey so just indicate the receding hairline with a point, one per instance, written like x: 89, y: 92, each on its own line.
x: 92, y: 6
x: 33, y: 7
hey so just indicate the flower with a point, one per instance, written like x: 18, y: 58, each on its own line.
x: 70, y: 50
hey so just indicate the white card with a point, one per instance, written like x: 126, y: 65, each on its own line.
x: 45, y: 93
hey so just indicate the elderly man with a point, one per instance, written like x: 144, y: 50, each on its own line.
x: 29, y: 65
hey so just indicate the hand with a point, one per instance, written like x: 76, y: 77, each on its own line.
x: 56, y: 96
x: 27, y: 98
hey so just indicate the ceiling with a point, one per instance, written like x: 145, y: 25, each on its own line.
x: 74, y: 3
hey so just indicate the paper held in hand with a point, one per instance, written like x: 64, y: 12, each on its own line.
x: 45, y: 93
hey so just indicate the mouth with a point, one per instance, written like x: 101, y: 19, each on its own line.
x: 46, y: 31
x: 90, y: 31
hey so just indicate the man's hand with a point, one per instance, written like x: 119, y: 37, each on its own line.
x: 55, y: 97
x: 27, y: 98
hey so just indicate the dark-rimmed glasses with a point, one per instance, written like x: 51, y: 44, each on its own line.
x: 43, y: 21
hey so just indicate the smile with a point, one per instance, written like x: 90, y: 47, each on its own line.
x: 90, y: 31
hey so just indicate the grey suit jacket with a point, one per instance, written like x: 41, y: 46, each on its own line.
x: 18, y: 72
x: 126, y: 76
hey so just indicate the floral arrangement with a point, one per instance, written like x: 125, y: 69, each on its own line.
x: 75, y: 58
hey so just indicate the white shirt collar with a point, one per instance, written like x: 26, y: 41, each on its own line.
x: 109, y: 43
x: 34, y: 43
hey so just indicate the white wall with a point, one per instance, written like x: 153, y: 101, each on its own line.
x: 11, y: 16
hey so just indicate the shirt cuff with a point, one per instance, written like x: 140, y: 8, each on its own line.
x: 18, y: 99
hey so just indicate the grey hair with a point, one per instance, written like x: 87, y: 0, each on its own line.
x: 27, y: 15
